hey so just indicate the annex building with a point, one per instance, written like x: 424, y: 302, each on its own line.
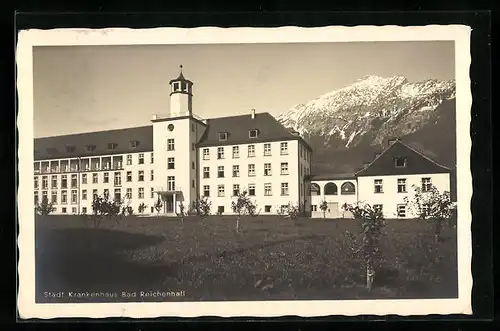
x: 181, y: 157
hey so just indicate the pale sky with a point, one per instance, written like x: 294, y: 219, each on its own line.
x: 92, y: 88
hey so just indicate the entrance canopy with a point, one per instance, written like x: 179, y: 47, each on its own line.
x: 168, y: 193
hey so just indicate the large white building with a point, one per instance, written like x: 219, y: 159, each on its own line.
x: 181, y: 157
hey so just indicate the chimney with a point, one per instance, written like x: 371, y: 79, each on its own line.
x: 253, y: 113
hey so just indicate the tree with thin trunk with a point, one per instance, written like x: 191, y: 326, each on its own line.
x: 323, y: 206
x: 142, y: 207
x: 433, y: 206
x: 242, y: 206
x: 371, y: 222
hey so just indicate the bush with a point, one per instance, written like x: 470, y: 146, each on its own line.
x: 45, y: 207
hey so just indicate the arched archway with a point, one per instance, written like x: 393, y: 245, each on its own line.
x: 314, y: 189
x: 348, y: 188
x: 331, y: 189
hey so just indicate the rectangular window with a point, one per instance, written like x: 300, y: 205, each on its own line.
x: 206, y: 154
x: 170, y: 144
x: 141, y: 158
x: 84, y: 178
x: 377, y: 207
x: 140, y: 192
x: 284, y: 168
x: 152, y: 175
x: 74, y: 180
x: 426, y: 184
x: 220, y: 191
x: 402, y: 185
x: 400, y: 162
x: 35, y: 182
x: 106, y: 177
x: 84, y: 194
x: 236, y: 170
x: 314, y: 207
x: 378, y: 186
x: 74, y: 195
x: 64, y: 182
x: 268, y: 189
x: 94, y: 194
x: 222, y: 136
x: 251, y: 189
x: 129, y: 176
x: 193, y: 146
x: 236, y: 190
x: 118, y: 194
x: 220, y: 153
x: 206, y: 172
x: 73, y: 210
x: 152, y: 158
x: 152, y: 209
x: 236, y: 152
x: 53, y: 197
x: 284, y: 188
x: 267, y: 169
x: 64, y: 197
x: 171, y: 183
x: 53, y: 183
x: 45, y: 196
x: 192, y: 165
x: 220, y: 171
x: 267, y: 149
x: 84, y: 210
x: 251, y: 170
x: 251, y: 150
x: 252, y: 134
x: 152, y: 192
x: 129, y: 159
x: 267, y: 209
x: 106, y: 194
x: 95, y: 178
x: 193, y: 184
x: 140, y: 176
x: 118, y: 179
x: 36, y: 197
x: 170, y: 163
x: 284, y: 148
x: 193, y: 129
x: 401, y: 210
x: 206, y: 190
x: 220, y: 209
x: 63, y: 210
x: 129, y: 193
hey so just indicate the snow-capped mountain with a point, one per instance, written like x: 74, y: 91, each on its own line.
x: 369, y: 111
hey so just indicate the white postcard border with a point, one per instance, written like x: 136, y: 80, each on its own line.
x: 27, y: 39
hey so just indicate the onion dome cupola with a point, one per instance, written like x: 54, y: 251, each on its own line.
x: 181, y: 84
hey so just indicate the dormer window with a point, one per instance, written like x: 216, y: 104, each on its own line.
x: 112, y: 146
x: 89, y: 148
x: 70, y: 149
x: 134, y: 144
x: 222, y: 136
x: 254, y: 133
x: 51, y: 150
x: 400, y: 162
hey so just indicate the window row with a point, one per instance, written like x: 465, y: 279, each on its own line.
x: 73, y: 194
x: 251, y: 191
x: 250, y: 151
x: 117, y: 179
x: 250, y: 170
x: 92, y: 147
x: 425, y: 184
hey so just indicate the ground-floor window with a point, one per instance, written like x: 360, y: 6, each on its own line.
x: 220, y: 209
x: 267, y: 209
x: 401, y: 209
x: 377, y: 207
x: 64, y: 210
x: 152, y: 209
x: 314, y: 208
x: 73, y: 210
x: 84, y: 210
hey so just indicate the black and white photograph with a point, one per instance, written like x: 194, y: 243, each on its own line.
x: 244, y: 172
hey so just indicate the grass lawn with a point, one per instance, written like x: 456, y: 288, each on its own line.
x: 271, y: 258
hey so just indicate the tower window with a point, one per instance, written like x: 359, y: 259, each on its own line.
x: 222, y: 135
x: 183, y: 86
x: 176, y: 86
x: 253, y: 133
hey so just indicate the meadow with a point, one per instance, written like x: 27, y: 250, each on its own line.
x: 270, y: 258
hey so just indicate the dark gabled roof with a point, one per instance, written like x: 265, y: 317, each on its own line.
x: 56, y: 146
x: 333, y: 176
x: 417, y: 163
x: 238, y: 127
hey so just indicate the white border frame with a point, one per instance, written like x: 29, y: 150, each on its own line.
x: 211, y: 35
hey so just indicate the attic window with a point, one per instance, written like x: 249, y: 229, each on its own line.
x: 112, y: 146
x: 253, y: 133
x: 90, y: 148
x: 134, y: 143
x: 222, y: 136
x: 70, y: 149
x: 400, y: 162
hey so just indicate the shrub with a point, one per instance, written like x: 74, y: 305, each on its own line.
x: 204, y: 207
x: 44, y: 207
x: 242, y: 206
x: 142, y: 207
x: 323, y: 206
